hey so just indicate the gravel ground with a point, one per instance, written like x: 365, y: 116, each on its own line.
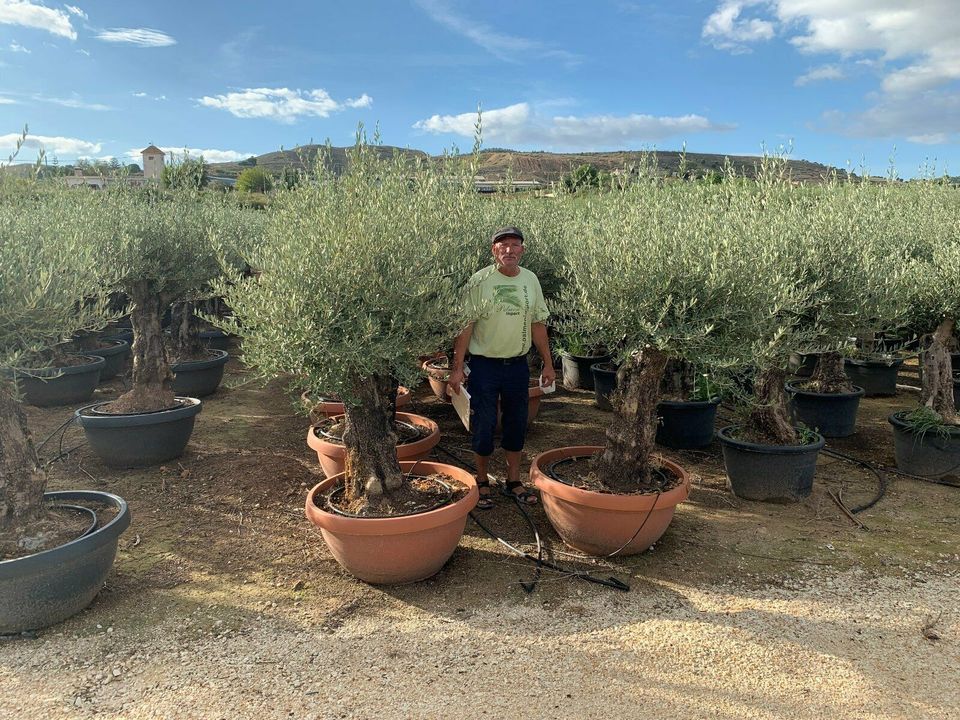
x: 224, y: 602
x: 819, y: 646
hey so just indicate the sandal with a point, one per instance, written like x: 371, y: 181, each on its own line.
x: 486, y: 495
x: 515, y: 489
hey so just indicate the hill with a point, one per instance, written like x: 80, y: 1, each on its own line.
x: 544, y: 167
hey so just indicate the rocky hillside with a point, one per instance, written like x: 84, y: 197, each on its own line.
x: 542, y: 166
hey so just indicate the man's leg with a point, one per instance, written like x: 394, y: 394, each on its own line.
x: 514, y: 405
x: 483, y: 387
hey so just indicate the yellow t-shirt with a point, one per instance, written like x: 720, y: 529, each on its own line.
x: 503, y: 309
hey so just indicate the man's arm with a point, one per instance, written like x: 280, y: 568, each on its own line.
x: 539, y: 333
x: 459, y: 352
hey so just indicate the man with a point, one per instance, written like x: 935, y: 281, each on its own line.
x: 508, y: 311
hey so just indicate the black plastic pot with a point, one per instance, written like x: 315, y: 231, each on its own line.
x: 803, y: 364
x: 604, y: 383
x: 115, y: 357
x: 576, y: 370
x: 48, y: 387
x: 215, y: 339
x: 830, y: 414
x: 929, y: 455
x: 48, y: 587
x: 956, y: 391
x: 876, y: 377
x: 139, y: 439
x: 686, y: 425
x: 199, y: 378
x: 771, y: 473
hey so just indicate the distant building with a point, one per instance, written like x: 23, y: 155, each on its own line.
x: 152, y: 161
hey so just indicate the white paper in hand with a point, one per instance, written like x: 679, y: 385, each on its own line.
x: 461, y: 403
x: 547, y: 388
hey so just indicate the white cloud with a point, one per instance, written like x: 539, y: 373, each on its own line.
x: 18, y: 48
x: 74, y: 10
x: 84, y: 52
x: 140, y: 94
x: 52, y: 145
x: 511, y: 48
x: 931, y: 139
x: 39, y: 17
x: 282, y: 104
x: 519, y: 124
x: 7, y: 101
x: 210, y: 155
x: 726, y: 30
x: 142, y: 37
x: 911, y: 45
x: 824, y: 72
x: 72, y: 102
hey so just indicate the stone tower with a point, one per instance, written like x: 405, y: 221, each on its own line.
x: 152, y: 162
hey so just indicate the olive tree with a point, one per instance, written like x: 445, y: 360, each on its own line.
x: 933, y: 241
x: 357, y: 276
x: 51, y: 286
x: 649, y: 277
x: 166, y: 246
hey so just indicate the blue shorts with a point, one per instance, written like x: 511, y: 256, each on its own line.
x: 506, y: 381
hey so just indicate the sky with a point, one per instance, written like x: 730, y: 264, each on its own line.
x: 855, y: 84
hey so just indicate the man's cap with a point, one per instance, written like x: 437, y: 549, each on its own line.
x: 506, y: 232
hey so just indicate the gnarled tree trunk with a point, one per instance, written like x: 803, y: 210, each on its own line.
x: 769, y: 420
x: 186, y: 331
x: 371, y: 463
x: 679, y: 381
x: 22, y: 481
x: 937, y: 387
x: 151, y: 371
x: 829, y: 376
x: 624, y: 464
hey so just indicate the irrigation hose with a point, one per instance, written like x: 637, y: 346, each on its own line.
x: 610, y: 582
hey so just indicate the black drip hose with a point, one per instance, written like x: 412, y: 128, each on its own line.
x: 610, y: 582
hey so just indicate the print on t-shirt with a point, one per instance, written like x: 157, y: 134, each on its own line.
x: 507, y: 295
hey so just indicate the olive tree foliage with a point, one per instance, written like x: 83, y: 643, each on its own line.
x: 357, y: 276
x: 52, y: 285
x: 859, y: 265
x: 650, y: 278
x: 932, y: 236
x: 167, y: 245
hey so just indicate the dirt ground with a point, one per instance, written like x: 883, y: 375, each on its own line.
x: 225, y: 603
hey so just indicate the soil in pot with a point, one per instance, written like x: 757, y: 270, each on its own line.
x: 576, y: 370
x: 770, y: 473
x: 417, y: 436
x: 598, y: 522
x: 438, y: 373
x: 604, y: 383
x: 830, y: 414
x: 395, y: 550
x: 58, y: 525
x: 418, y: 494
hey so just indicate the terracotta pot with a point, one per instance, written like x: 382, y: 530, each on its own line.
x: 604, y: 523
x: 438, y: 379
x: 395, y: 550
x: 332, y: 455
x: 328, y: 408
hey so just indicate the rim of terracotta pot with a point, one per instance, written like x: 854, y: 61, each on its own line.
x: 606, y: 501
x: 345, y: 525
x: 417, y: 447
x: 335, y: 407
x: 435, y: 372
